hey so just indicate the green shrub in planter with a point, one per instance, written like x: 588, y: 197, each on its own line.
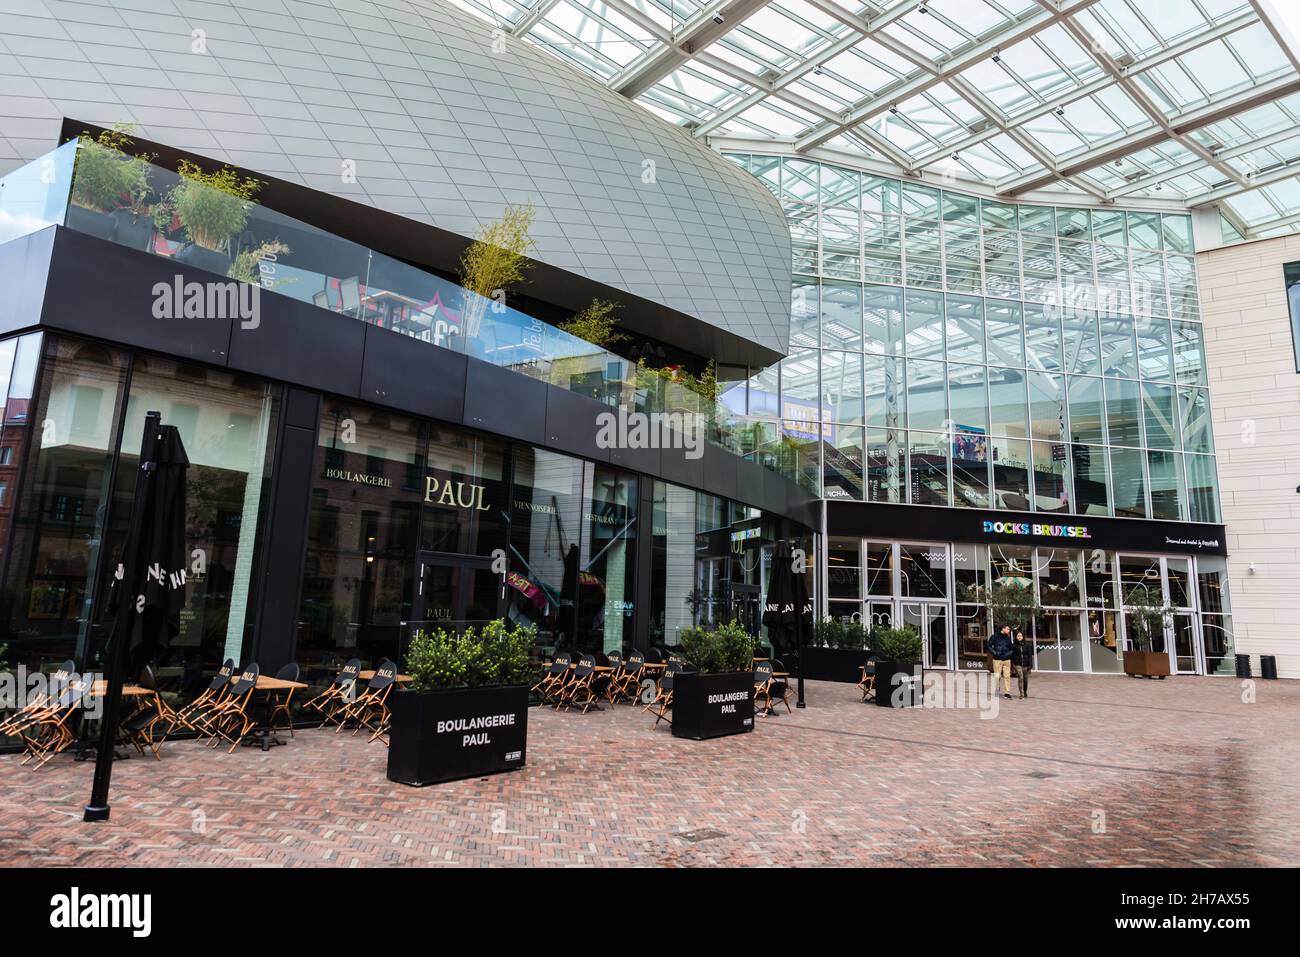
x: 211, y: 207
x: 496, y: 655
x: 902, y: 645
x: 723, y: 649
x: 105, y: 177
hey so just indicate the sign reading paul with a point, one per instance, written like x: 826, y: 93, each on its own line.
x: 442, y: 489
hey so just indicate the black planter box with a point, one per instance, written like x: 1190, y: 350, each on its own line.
x: 440, y: 736
x: 209, y: 259
x: 89, y: 221
x: 910, y: 684
x: 133, y: 231
x: 834, y: 664
x: 710, y: 706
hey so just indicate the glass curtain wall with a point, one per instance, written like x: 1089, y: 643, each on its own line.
x: 951, y: 350
x: 1081, y: 593
x: 71, y: 440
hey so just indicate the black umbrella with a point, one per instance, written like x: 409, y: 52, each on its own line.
x: 787, y: 611
x: 148, y: 589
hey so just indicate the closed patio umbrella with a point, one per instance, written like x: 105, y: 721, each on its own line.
x: 787, y: 611
x: 148, y: 589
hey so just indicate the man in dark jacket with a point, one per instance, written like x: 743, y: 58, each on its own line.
x: 1022, y: 656
x: 1000, y: 647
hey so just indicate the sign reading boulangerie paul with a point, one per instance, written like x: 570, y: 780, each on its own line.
x: 449, y: 734
x: 929, y: 523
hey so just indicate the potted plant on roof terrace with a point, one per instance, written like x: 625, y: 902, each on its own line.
x: 210, y: 209
x: 110, y: 189
x: 714, y: 696
x: 466, y: 712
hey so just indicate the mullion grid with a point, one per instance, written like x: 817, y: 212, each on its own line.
x: 1093, y: 277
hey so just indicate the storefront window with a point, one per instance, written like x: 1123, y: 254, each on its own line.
x: 227, y: 424
x: 362, y: 538
x: 547, y: 533
x: 1058, y: 577
x: 880, y: 569
x: 607, y: 590
x: 68, y: 424
x: 672, y: 571
x: 924, y: 570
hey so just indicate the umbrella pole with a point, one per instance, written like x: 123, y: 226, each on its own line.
x: 98, y: 809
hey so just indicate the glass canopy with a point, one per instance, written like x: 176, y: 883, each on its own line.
x: 1192, y: 102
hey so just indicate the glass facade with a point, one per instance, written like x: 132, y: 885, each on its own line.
x: 940, y: 589
x: 406, y: 520
x: 952, y: 350
x: 75, y: 471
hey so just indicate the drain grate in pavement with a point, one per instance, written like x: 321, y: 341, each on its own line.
x: 1041, y: 774
x: 702, y: 834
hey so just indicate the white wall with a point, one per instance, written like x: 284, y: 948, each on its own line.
x: 1255, y: 393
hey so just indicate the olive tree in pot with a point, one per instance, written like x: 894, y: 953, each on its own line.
x: 110, y: 189
x: 715, y: 695
x: 466, y: 713
x: 897, y: 667
x: 1144, y: 617
x: 210, y: 209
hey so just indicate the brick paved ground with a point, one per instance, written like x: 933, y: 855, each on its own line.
x: 1182, y: 770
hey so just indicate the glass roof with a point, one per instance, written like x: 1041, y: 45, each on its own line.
x: 1191, y: 101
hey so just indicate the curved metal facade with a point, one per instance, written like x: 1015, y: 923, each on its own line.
x: 440, y: 120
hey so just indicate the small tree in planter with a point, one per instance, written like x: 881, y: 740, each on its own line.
x: 899, y: 651
x: 211, y: 209
x: 1014, y: 604
x: 1145, y: 616
x: 495, y: 261
x: 110, y: 187
x: 715, y: 697
x: 466, y: 713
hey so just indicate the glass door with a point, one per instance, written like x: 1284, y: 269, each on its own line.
x: 1186, y: 638
x: 930, y: 619
x: 452, y: 592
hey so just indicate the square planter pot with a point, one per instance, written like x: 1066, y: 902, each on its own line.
x: 468, y: 732
x: 89, y: 221
x: 906, y: 693
x: 209, y: 259
x: 834, y: 664
x: 133, y: 231
x: 710, y: 706
x: 1146, y: 664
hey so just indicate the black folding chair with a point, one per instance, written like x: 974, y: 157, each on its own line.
x: 141, y: 726
x: 233, y: 718
x: 370, y: 710
x: 554, y: 678
x: 341, y: 692
x: 216, y: 691
x: 663, y: 699
x: 278, y: 700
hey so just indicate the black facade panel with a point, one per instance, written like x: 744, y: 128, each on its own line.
x: 302, y: 344
x: 504, y: 402
x: 637, y: 460
x: 721, y: 469
x: 415, y: 376
x: 107, y: 291
x: 572, y: 424
x: 301, y: 408
x: 931, y: 523
x: 24, y: 268
x: 676, y: 466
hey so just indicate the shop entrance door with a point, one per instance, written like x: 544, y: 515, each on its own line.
x: 453, y: 591
x: 931, y: 619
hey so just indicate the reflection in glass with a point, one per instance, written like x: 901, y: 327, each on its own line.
x: 928, y: 468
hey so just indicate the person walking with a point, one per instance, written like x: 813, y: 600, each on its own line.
x: 1000, y: 647
x: 1023, y: 658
